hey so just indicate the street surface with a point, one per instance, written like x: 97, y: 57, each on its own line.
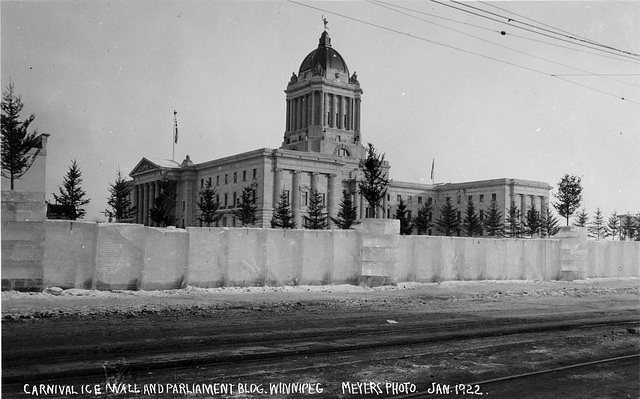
x: 415, y: 340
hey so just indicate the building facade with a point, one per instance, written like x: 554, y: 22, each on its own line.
x: 321, y: 150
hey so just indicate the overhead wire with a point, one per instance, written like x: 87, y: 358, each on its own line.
x: 630, y: 55
x: 391, y: 7
x: 456, y: 48
x: 568, y: 36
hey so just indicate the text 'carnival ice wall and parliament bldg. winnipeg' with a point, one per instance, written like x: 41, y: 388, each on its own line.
x: 321, y: 150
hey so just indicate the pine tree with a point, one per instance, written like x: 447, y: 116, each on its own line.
x: 120, y: 208
x: 163, y: 211
x: 347, y: 214
x: 71, y: 194
x: 513, y: 226
x: 597, y: 228
x: 493, y: 222
x: 569, y: 196
x: 613, y: 226
x: 550, y: 225
x: 316, y: 218
x: 247, y: 211
x: 582, y: 218
x: 423, y: 220
x: 401, y: 215
x: 375, y: 183
x: 627, y: 228
x: 448, y: 222
x: 533, y: 222
x: 208, y: 205
x: 282, y: 216
x: 17, y: 142
x: 471, y: 223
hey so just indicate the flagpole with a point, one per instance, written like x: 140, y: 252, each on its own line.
x: 175, y: 134
x: 433, y: 162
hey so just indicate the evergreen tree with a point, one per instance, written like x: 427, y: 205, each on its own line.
x: 423, y: 220
x: 316, y: 218
x: 627, y: 228
x: 471, y: 223
x: 401, y: 215
x: 347, y: 214
x: 282, y: 215
x: 163, y: 211
x: 613, y: 226
x: 247, y: 211
x: 493, y: 222
x: 208, y: 205
x: 597, y: 228
x: 375, y: 183
x: 513, y: 226
x: 17, y: 142
x: 71, y: 194
x: 569, y: 196
x: 119, y: 202
x: 533, y: 222
x: 582, y: 218
x: 550, y: 225
x: 448, y: 223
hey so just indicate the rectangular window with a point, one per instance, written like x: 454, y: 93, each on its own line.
x: 244, y: 175
x: 493, y: 197
x: 201, y: 183
x: 217, y: 180
x: 255, y: 173
x: 226, y: 179
x: 184, y: 205
x: 389, y: 213
x: 481, y: 215
x: 217, y: 198
x: 209, y: 182
x: 481, y: 198
x: 470, y: 198
x: 235, y: 177
x: 233, y: 221
x: 419, y: 200
x: 429, y: 200
x: 305, y: 197
x: 235, y: 198
x: 226, y: 200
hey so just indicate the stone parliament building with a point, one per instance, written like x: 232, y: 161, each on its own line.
x: 321, y: 150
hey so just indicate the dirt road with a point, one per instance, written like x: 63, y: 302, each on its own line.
x: 333, y: 341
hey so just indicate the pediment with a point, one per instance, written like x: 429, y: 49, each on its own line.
x: 143, y: 166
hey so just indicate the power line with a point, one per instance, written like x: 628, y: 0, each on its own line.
x: 537, y: 33
x: 377, y: 2
x: 389, y: 7
x: 569, y: 36
x: 453, y: 47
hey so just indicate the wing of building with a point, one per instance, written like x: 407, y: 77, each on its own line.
x: 321, y: 150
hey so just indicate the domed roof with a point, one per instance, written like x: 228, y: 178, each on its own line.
x: 324, y: 55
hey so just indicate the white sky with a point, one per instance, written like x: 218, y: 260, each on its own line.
x: 103, y: 79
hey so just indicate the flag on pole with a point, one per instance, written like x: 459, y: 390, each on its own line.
x: 175, y: 127
x: 432, y: 165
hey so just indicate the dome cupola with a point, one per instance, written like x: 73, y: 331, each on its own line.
x: 324, y: 56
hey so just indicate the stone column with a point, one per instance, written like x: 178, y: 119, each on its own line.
x: 322, y: 105
x: 361, y: 206
x: 343, y: 113
x: 277, y: 189
x: 543, y: 207
x: 295, y: 197
x: 357, y: 115
x: 523, y: 207
x: 384, y: 206
x: 331, y: 201
x: 287, y: 122
x: 136, y: 203
x: 152, y: 197
x: 312, y: 117
x: 303, y: 111
x: 314, y: 182
x: 145, y: 205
